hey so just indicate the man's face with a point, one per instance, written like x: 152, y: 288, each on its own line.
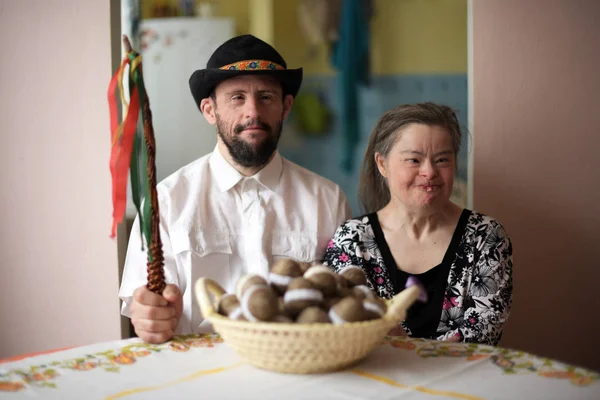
x: 249, y: 112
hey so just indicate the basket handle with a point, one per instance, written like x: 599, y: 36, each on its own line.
x: 205, y: 287
x: 401, y: 302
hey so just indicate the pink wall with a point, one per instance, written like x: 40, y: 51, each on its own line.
x: 536, y: 167
x: 58, y: 267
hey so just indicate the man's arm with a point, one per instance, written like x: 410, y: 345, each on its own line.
x: 155, y: 317
x: 344, y: 212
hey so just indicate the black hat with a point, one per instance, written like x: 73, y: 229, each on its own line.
x: 243, y: 55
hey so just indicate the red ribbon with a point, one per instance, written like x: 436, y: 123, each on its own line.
x: 122, y: 147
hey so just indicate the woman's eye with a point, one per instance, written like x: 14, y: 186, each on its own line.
x: 237, y: 97
x: 443, y: 160
x: 412, y: 161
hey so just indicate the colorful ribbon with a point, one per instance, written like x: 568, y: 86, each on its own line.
x: 128, y: 151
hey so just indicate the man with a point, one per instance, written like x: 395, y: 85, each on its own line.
x: 238, y: 209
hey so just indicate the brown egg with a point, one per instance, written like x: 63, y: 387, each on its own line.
x: 228, y: 304
x: 374, y: 307
x: 283, y: 310
x: 330, y: 302
x: 355, y: 275
x: 324, y: 279
x: 259, y: 303
x: 300, y: 294
x: 282, y: 273
x: 311, y: 315
x: 349, y: 309
x: 237, y: 314
x: 343, y: 283
x: 304, y: 266
x: 362, y: 292
x: 282, y: 319
x: 248, y: 281
x: 345, y: 292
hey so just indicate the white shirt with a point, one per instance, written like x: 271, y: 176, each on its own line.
x: 219, y: 224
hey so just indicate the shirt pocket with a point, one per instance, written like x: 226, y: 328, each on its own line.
x: 201, y: 253
x: 299, y: 246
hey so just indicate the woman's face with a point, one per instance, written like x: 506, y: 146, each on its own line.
x: 420, y: 166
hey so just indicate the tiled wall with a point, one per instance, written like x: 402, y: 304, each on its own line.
x: 323, y: 154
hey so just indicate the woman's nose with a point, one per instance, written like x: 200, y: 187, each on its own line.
x: 428, y: 169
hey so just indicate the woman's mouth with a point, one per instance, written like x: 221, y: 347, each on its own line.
x: 430, y: 188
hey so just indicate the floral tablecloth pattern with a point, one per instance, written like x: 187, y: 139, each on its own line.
x: 203, y: 366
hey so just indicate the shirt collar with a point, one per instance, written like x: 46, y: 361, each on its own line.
x: 223, y: 172
x: 270, y: 174
x: 227, y: 176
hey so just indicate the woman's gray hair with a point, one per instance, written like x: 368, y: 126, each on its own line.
x: 373, y: 191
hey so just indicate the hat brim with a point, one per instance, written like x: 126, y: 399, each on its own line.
x: 203, y: 81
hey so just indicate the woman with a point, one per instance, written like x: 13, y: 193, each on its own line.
x: 463, y: 258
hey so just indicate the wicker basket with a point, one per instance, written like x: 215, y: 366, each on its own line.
x: 301, y: 348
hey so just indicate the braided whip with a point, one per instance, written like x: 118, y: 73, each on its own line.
x: 134, y: 153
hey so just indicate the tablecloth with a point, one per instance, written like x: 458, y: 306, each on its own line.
x: 204, y: 367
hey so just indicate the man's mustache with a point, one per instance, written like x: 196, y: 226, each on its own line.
x: 255, y: 124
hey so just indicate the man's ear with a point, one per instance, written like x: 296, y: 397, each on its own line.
x: 287, y: 105
x: 208, y: 106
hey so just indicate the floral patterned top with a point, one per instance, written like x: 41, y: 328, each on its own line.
x: 469, y: 292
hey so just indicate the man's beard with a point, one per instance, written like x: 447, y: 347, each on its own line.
x: 246, y: 154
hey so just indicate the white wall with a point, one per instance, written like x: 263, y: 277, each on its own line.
x: 59, y: 274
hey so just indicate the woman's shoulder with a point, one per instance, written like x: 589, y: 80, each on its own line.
x: 359, y: 221
x: 481, y: 219
x: 482, y: 224
x: 360, y: 224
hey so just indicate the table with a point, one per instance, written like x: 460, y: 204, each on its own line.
x: 204, y: 367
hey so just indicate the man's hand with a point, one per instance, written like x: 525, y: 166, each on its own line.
x: 397, y: 331
x: 155, y: 317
